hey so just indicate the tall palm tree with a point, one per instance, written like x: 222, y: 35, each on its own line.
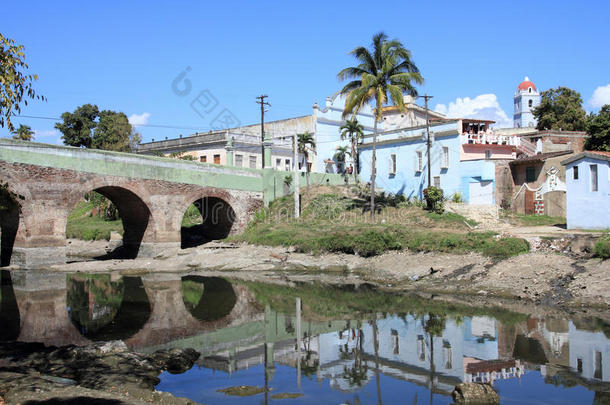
x: 354, y: 131
x: 384, y: 73
x: 341, y: 155
x: 305, y: 144
x: 24, y: 133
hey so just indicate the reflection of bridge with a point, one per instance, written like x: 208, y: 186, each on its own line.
x: 41, y: 300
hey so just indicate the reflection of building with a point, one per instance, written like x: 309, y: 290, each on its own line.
x: 589, y: 354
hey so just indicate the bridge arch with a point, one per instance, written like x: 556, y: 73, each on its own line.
x: 208, y: 299
x: 134, y: 212
x: 13, y: 203
x: 218, y: 218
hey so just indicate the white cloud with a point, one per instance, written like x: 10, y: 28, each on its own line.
x: 601, y: 96
x: 483, y: 106
x: 48, y: 136
x: 139, y: 119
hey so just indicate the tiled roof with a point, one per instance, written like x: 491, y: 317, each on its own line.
x: 541, y: 157
x: 593, y: 154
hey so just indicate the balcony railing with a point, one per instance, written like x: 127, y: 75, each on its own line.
x: 489, y: 138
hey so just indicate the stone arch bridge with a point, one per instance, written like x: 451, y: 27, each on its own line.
x: 41, y: 184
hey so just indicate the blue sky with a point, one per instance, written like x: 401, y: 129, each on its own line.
x: 124, y: 55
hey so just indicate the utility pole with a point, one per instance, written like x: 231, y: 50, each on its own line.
x: 295, y: 166
x: 428, y: 142
x: 263, y: 103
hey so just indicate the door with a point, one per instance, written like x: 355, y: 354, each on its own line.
x: 529, y: 202
x: 482, y: 193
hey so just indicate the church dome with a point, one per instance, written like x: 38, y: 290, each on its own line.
x: 526, y: 83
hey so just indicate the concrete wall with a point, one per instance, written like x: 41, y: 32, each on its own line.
x: 588, y: 209
x: 408, y: 179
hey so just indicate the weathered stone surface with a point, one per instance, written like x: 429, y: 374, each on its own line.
x: 475, y: 393
x: 176, y: 361
x: 151, y: 211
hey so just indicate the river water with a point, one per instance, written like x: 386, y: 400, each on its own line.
x: 323, y: 344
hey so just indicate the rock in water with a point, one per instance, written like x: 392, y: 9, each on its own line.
x: 475, y: 393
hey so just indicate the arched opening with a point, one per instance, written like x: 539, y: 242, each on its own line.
x: 208, y: 298
x: 103, y: 309
x: 9, y: 311
x: 110, y: 209
x: 206, y: 219
x: 9, y: 223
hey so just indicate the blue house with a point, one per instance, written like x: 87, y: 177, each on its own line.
x: 463, y: 158
x: 588, y: 190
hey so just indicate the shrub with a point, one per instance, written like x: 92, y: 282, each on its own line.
x: 457, y: 197
x: 602, y: 247
x: 506, y: 247
x: 434, y: 199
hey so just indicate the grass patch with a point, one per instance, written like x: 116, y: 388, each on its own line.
x: 83, y: 225
x: 602, y: 247
x: 535, y: 220
x: 451, y: 218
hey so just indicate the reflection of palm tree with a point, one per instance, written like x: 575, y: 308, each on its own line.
x: 435, y: 325
x: 357, y: 373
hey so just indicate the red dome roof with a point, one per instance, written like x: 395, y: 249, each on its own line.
x: 525, y: 84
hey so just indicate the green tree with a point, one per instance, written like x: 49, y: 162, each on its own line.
x: 341, y: 155
x: 114, y: 132
x: 88, y: 127
x: 384, y: 73
x: 561, y: 109
x: 598, y: 127
x: 15, y: 84
x: 23, y: 133
x: 306, y: 144
x: 354, y: 131
x: 77, y: 127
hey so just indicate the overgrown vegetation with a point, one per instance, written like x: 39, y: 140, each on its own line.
x: 90, y: 221
x: 332, y: 222
x: 602, y: 247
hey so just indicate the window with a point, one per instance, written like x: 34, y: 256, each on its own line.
x: 529, y: 103
x: 216, y: 159
x: 487, y: 154
x: 421, y: 347
x: 395, y: 343
x: 529, y: 89
x: 593, y: 177
x: 598, y: 365
x: 437, y: 181
x: 287, y: 162
x: 579, y: 366
x: 575, y: 172
x: 203, y: 159
x: 445, y: 158
x: 447, y: 355
x: 530, y: 174
x: 392, y: 164
x: 239, y: 160
x: 252, y: 162
x: 278, y: 164
x: 419, y: 162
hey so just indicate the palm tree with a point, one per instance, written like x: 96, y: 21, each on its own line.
x: 384, y: 73
x: 305, y: 144
x: 24, y: 133
x: 341, y: 154
x: 354, y: 131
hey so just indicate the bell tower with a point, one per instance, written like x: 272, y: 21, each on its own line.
x: 526, y: 98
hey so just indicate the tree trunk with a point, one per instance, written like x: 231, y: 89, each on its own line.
x: 355, y: 160
x: 373, y: 170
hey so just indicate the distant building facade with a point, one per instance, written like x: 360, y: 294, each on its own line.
x: 525, y: 100
x: 588, y: 190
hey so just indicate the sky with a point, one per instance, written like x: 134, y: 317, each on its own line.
x: 129, y: 56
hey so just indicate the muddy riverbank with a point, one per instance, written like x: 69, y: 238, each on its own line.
x: 573, y: 282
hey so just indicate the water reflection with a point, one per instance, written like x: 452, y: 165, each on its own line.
x: 106, y: 309
x: 336, y: 350
x: 9, y: 312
